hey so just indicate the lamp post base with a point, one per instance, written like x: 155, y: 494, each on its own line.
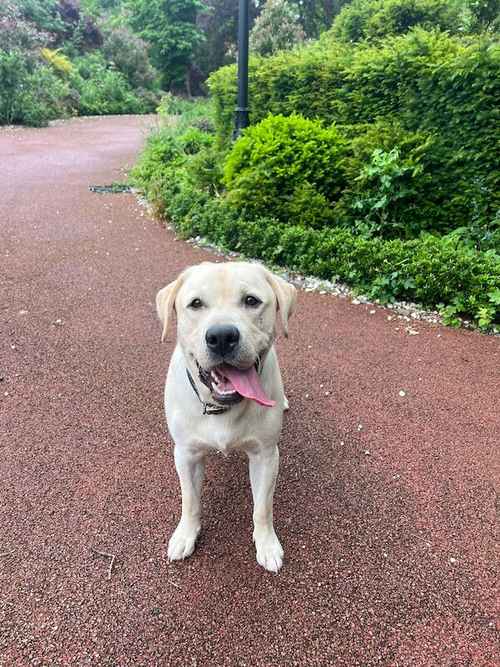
x: 241, y: 121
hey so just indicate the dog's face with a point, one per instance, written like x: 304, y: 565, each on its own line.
x: 226, y: 320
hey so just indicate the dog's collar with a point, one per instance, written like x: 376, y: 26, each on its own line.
x: 208, y: 408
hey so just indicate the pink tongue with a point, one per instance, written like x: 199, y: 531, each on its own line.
x: 247, y: 383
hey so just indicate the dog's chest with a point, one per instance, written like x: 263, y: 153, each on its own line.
x: 224, y: 437
x: 216, y: 432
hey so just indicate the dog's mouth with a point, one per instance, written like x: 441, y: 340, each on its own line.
x: 230, y: 385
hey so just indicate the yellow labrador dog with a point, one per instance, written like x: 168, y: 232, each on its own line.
x: 224, y: 387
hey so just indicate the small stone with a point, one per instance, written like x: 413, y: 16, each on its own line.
x: 356, y: 302
x: 402, y: 393
x: 360, y: 427
x: 327, y: 393
x: 367, y: 452
x: 372, y: 312
x: 341, y: 443
x: 307, y: 396
x: 453, y: 560
x: 58, y: 322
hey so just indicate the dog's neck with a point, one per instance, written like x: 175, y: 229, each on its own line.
x: 208, y: 408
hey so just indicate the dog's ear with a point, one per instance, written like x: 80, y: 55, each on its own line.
x: 165, y: 304
x: 286, y: 296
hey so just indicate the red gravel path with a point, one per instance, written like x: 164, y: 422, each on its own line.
x: 388, y: 527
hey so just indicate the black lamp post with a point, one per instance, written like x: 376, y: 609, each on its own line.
x: 241, y: 119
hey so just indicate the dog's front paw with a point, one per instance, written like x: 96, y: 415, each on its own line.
x: 269, y: 550
x: 182, y: 543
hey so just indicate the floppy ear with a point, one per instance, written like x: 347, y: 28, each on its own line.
x: 165, y: 303
x: 286, y: 295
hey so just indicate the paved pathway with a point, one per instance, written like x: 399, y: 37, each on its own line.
x: 385, y: 503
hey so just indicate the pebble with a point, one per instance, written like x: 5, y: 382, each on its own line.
x: 402, y: 393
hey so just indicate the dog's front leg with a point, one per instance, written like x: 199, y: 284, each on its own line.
x: 190, y: 469
x: 263, y: 467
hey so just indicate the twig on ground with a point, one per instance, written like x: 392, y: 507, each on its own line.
x: 104, y: 554
x: 172, y: 583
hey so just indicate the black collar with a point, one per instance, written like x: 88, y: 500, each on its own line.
x: 208, y: 408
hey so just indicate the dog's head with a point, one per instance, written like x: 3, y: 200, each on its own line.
x: 226, y: 322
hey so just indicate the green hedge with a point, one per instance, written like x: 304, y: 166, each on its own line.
x: 427, y: 81
x: 180, y: 171
x: 431, y: 270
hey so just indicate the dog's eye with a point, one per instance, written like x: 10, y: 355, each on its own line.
x: 196, y: 304
x: 252, y: 301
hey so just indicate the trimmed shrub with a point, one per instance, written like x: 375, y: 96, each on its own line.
x: 427, y: 81
x: 278, y: 164
x: 434, y: 271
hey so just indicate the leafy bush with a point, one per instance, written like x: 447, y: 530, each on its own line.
x: 375, y: 19
x: 276, y: 28
x: 398, y: 182
x: 427, y: 81
x: 271, y: 164
x: 193, y: 140
x: 58, y: 60
x: 129, y: 54
x: 103, y: 90
x: 176, y: 154
x: 30, y: 93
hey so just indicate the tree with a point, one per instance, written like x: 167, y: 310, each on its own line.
x: 276, y: 28
x: 170, y: 27
x: 376, y: 19
x: 219, y: 23
x: 317, y: 15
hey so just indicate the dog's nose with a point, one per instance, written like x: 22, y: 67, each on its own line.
x: 222, y: 338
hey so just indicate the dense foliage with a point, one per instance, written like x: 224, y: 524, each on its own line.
x: 373, y: 20
x: 171, y: 30
x: 277, y: 28
x: 212, y: 191
x: 444, y: 87
x: 56, y: 60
